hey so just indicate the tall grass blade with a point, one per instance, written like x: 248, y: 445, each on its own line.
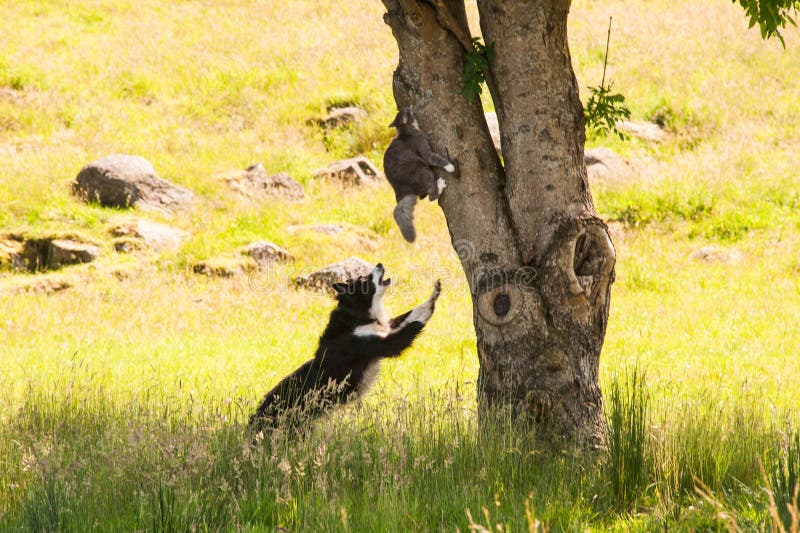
x: 627, y: 438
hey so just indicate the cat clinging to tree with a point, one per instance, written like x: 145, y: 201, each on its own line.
x: 408, y: 164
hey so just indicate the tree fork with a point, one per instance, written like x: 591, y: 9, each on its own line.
x: 538, y: 260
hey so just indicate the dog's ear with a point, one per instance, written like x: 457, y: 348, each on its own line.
x: 339, y: 288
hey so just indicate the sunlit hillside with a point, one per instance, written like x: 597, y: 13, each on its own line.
x: 125, y: 383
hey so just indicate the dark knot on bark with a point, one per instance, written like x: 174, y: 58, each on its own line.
x: 502, y: 304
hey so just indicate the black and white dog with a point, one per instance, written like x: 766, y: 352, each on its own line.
x: 359, y: 334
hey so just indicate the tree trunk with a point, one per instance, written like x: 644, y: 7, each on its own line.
x: 538, y: 260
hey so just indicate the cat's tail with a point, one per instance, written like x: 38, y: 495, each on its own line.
x: 404, y: 215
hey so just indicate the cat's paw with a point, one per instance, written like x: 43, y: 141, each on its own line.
x: 449, y: 167
x: 440, y: 185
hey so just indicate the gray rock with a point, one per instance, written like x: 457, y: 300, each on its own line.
x: 127, y: 180
x: 356, y: 171
x: 340, y: 116
x: 606, y: 167
x: 155, y: 236
x: 20, y: 252
x: 647, y: 131
x: 127, y: 245
x: 265, y: 253
x: 12, y: 255
x: 257, y: 184
x: 46, y: 284
x: 224, y: 266
x: 67, y: 252
x: 325, y: 229
x: 322, y: 279
x: 712, y: 254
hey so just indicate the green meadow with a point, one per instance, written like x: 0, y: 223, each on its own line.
x: 124, y: 397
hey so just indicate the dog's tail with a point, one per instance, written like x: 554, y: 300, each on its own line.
x: 404, y: 215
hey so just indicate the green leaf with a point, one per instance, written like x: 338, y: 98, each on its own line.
x: 604, y: 108
x: 476, y: 62
x: 771, y: 15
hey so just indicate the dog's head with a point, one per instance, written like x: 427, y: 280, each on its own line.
x: 363, y: 296
x: 405, y: 118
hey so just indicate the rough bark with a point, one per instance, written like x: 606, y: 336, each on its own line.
x: 538, y: 260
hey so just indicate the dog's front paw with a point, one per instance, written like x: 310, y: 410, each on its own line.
x: 437, y: 290
x: 423, y: 312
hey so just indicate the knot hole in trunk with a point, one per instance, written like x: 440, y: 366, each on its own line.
x: 499, y: 293
x: 593, y: 259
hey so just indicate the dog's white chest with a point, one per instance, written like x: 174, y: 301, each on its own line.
x: 373, y: 329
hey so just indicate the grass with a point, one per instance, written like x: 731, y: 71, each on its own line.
x: 627, y: 439
x: 784, y: 478
x: 123, y: 398
x: 147, y: 464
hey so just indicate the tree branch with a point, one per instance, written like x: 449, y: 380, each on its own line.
x: 540, y: 117
x: 473, y: 201
x: 459, y: 28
